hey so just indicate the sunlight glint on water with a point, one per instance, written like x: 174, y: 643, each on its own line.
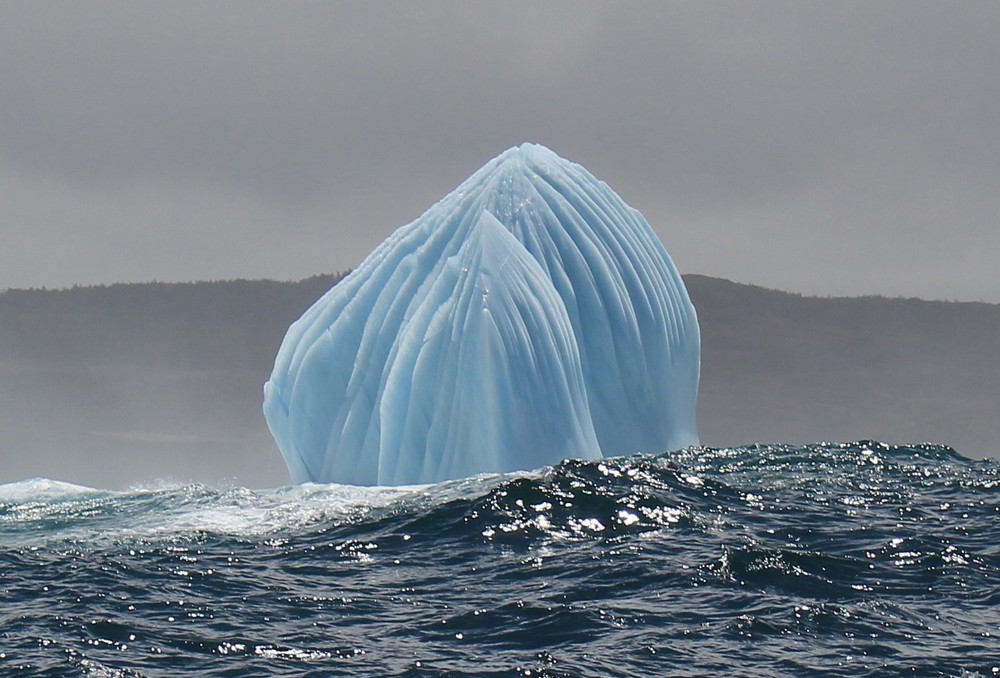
x: 832, y: 559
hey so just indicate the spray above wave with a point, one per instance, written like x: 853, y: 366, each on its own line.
x: 528, y: 317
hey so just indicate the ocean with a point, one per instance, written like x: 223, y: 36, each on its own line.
x: 846, y: 559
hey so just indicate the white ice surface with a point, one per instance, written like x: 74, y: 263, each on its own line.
x: 528, y: 317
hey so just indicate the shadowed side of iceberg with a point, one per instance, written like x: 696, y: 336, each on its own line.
x: 636, y: 328
x: 527, y: 317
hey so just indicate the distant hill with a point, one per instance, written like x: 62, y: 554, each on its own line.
x: 108, y: 386
x: 113, y: 385
x: 783, y: 367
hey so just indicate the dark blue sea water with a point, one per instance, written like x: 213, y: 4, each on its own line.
x: 835, y: 559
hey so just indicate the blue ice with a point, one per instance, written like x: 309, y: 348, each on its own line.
x: 528, y: 317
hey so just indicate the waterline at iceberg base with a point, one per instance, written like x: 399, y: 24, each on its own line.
x: 528, y: 317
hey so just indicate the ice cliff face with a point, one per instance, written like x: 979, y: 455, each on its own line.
x: 527, y: 317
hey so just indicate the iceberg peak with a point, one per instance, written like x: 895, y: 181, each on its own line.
x: 527, y: 317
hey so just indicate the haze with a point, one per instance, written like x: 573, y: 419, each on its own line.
x: 835, y: 148
x: 824, y: 148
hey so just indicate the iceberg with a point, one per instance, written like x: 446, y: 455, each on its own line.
x: 528, y: 317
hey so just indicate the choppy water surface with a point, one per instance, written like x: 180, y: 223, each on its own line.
x: 855, y: 559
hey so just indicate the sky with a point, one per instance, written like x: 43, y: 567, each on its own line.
x: 828, y: 148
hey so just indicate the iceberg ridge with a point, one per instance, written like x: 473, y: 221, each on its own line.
x: 527, y: 317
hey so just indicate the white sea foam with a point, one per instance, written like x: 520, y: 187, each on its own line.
x: 38, y: 489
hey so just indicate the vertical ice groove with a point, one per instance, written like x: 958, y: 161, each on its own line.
x: 529, y: 316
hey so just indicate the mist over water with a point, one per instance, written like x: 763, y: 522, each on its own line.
x: 833, y: 559
x: 113, y: 386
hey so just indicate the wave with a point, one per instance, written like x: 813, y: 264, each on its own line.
x: 569, y: 500
x: 37, y: 489
x: 834, y: 559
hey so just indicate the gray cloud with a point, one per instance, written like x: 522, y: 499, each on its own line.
x: 833, y: 148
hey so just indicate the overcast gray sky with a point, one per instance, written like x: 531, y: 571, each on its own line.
x: 825, y: 148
